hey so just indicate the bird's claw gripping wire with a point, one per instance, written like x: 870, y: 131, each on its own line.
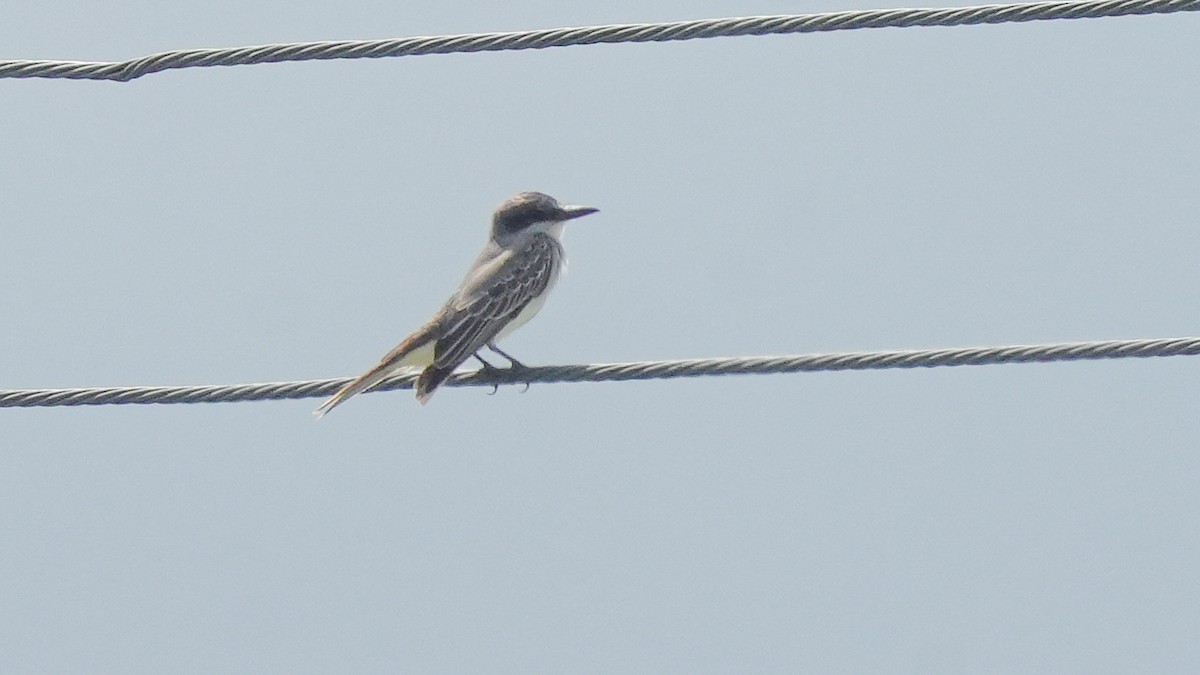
x: 495, y: 374
x: 514, y: 366
x: 517, y: 369
x: 489, y: 371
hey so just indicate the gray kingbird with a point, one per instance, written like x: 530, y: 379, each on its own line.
x: 505, y: 287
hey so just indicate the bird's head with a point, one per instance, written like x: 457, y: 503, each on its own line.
x: 533, y: 210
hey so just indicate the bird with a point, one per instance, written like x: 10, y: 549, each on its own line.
x: 505, y: 287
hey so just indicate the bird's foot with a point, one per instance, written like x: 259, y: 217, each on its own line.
x: 515, y: 367
x: 497, y: 376
x: 489, y: 372
x: 518, y: 369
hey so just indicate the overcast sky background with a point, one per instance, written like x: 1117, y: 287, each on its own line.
x: 878, y: 189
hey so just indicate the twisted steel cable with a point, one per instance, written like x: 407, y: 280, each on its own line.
x: 615, y: 372
x: 123, y: 71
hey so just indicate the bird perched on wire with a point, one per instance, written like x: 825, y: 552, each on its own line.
x: 505, y: 287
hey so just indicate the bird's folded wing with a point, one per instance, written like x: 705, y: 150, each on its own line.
x: 483, y: 307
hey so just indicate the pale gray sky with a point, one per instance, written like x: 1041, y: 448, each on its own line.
x: 880, y: 189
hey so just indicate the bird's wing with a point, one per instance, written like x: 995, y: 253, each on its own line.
x: 492, y: 295
x: 491, y: 299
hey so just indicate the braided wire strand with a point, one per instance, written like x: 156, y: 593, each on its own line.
x: 617, y: 372
x: 124, y: 71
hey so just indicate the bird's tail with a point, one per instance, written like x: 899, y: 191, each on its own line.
x: 357, y: 386
x: 417, y: 350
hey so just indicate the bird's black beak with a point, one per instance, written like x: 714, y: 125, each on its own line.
x: 571, y: 211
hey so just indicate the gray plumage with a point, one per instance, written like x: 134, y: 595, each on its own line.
x: 505, y: 287
x: 502, y: 284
